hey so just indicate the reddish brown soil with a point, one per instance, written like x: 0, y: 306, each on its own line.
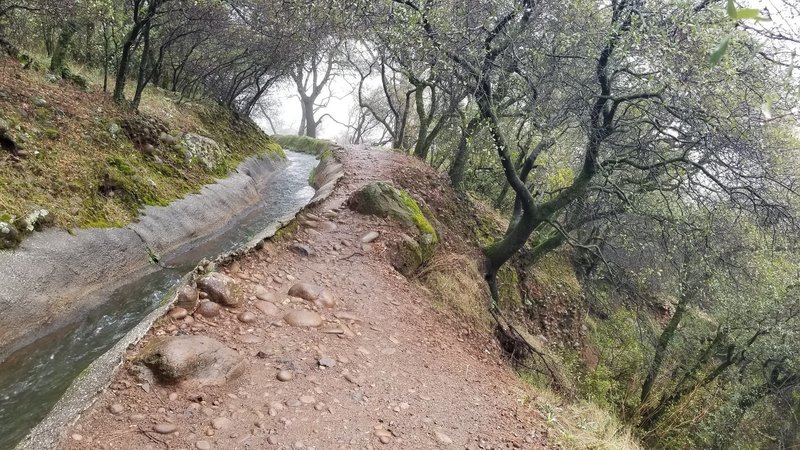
x: 417, y: 372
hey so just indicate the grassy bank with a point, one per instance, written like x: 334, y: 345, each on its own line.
x: 93, y: 163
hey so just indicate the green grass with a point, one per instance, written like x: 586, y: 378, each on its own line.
x: 87, y: 177
x: 305, y: 144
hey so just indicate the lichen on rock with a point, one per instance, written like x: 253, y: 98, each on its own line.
x: 203, y: 149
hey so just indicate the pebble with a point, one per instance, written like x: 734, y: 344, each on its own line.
x: 202, y: 445
x: 266, y: 307
x: 173, y: 396
x: 221, y: 423
x: 116, y: 408
x: 246, y: 317
x: 303, y: 318
x: 326, y: 361
x: 165, y: 428
x: 178, y: 313
x: 284, y: 375
x: 368, y: 237
x: 443, y: 438
x: 77, y: 437
x: 208, y: 309
x: 272, y: 440
x: 307, y: 399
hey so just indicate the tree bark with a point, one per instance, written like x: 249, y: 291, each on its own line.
x: 58, y: 63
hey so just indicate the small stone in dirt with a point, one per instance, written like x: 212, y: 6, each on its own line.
x: 77, y: 437
x: 368, y: 237
x: 202, y: 445
x: 443, y: 438
x: 178, y: 313
x: 187, y: 298
x: 313, y: 293
x: 326, y: 361
x: 354, y: 379
x: 263, y: 294
x: 172, y: 396
x: 307, y: 399
x: 333, y: 329
x: 221, y: 423
x: 384, y: 439
x: 266, y: 307
x: 246, y: 317
x: 327, y: 226
x: 220, y: 288
x: 284, y: 375
x: 272, y: 440
x: 303, y: 318
x: 165, y: 428
x: 116, y: 408
x: 208, y: 309
x: 301, y: 249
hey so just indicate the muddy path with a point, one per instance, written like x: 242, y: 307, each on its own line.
x: 386, y: 370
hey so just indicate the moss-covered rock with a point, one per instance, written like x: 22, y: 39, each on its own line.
x: 382, y: 199
x: 10, y: 237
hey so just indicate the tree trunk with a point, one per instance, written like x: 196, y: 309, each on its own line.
x: 58, y: 63
x: 308, y: 114
x: 142, y: 77
x: 124, y: 61
x: 461, y: 160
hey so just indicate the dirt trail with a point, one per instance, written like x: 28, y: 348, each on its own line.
x: 406, y: 377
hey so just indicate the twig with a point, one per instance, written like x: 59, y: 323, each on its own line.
x: 152, y: 438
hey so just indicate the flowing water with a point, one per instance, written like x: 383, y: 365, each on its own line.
x: 33, y: 378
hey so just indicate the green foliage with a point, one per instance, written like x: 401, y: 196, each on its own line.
x: 304, y: 144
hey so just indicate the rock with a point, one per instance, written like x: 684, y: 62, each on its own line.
x: 266, y: 307
x: 250, y: 339
x: 116, y: 409
x: 443, y: 438
x: 303, y: 318
x: 220, y: 288
x: 369, y: 236
x: 382, y: 199
x: 246, y: 317
x: 221, y: 423
x: 4, y: 127
x: 77, y: 437
x: 263, y: 294
x: 187, y: 298
x: 313, y: 293
x: 202, y: 445
x: 301, y: 249
x: 407, y: 255
x: 178, y: 313
x: 39, y: 102
x: 272, y: 440
x: 284, y: 375
x: 165, y: 428
x: 327, y: 226
x: 10, y: 237
x: 114, y: 129
x: 307, y: 399
x: 202, y: 148
x: 327, y: 361
x: 208, y: 309
x: 193, y: 360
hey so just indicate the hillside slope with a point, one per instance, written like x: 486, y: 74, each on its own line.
x: 92, y: 163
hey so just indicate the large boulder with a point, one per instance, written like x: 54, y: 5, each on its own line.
x: 189, y: 360
x: 385, y: 200
x: 382, y: 199
x: 220, y: 288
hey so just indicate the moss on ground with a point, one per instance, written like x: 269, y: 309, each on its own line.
x: 86, y: 171
x: 304, y: 144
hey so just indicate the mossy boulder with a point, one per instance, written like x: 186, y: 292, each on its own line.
x: 383, y: 199
x: 10, y: 237
x: 203, y: 149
